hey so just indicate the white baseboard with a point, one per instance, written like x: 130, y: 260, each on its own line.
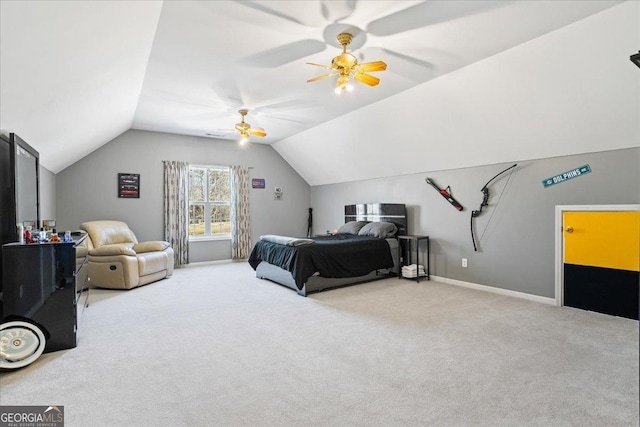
x: 204, y: 263
x: 530, y: 297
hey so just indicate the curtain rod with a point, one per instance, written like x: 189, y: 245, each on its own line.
x: 198, y: 165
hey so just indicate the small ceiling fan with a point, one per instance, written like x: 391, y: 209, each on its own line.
x: 346, y: 66
x: 245, y: 129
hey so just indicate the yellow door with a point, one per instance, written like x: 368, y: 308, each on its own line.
x: 602, y: 261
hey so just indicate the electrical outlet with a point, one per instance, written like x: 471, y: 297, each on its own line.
x: 464, y: 262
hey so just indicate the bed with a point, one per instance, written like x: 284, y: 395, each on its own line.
x: 365, y: 249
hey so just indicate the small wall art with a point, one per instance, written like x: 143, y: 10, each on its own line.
x: 277, y: 193
x: 257, y: 182
x: 129, y: 185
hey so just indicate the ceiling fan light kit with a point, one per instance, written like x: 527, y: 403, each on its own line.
x: 346, y: 66
x: 245, y: 129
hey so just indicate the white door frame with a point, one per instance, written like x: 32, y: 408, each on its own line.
x: 560, y: 210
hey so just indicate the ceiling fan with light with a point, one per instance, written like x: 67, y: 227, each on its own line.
x: 245, y: 129
x: 346, y: 66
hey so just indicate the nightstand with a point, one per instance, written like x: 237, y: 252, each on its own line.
x: 413, y: 238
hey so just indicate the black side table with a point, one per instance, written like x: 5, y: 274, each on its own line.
x: 414, y: 238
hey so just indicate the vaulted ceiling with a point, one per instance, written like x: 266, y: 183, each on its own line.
x: 75, y: 75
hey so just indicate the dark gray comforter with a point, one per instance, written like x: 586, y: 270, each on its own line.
x: 338, y: 256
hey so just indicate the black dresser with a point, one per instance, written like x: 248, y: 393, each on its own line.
x: 46, y: 283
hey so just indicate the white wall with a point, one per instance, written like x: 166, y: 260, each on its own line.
x: 570, y: 91
x: 87, y: 190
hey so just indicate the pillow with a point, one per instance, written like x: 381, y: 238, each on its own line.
x: 114, y: 249
x: 153, y: 246
x: 379, y: 229
x: 352, y: 227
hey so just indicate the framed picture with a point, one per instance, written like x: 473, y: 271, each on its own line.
x: 257, y: 183
x: 129, y: 185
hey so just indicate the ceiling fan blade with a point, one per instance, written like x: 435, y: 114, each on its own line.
x: 308, y: 20
x: 427, y: 13
x: 409, y: 59
x: 328, y: 67
x: 288, y: 110
x: 372, y: 66
x: 227, y: 89
x: 415, y: 69
x: 335, y: 11
x: 282, y: 55
x: 366, y: 79
x: 291, y: 105
x: 287, y: 119
x: 315, y: 79
x: 257, y: 132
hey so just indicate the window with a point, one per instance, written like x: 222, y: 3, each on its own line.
x: 209, y: 197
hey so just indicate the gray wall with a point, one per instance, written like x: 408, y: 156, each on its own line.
x: 516, y: 250
x: 47, y: 194
x: 87, y: 190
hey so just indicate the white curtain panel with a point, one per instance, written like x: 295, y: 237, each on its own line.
x: 240, y: 222
x: 176, y: 209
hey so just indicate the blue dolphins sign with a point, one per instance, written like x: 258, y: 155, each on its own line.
x: 570, y: 174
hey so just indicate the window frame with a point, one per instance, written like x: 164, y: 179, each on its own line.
x: 207, y: 204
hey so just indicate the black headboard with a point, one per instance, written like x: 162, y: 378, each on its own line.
x: 378, y: 212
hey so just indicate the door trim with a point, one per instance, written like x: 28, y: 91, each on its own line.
x: 559, y: 242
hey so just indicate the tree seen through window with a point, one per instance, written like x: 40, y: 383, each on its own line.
x: 209, y: 197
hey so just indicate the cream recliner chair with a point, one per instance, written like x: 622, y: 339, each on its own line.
x: 118, y: 261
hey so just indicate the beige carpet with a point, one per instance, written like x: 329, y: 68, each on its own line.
x: 214, y: 346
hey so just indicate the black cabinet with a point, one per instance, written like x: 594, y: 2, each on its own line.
x: 46, y: 283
